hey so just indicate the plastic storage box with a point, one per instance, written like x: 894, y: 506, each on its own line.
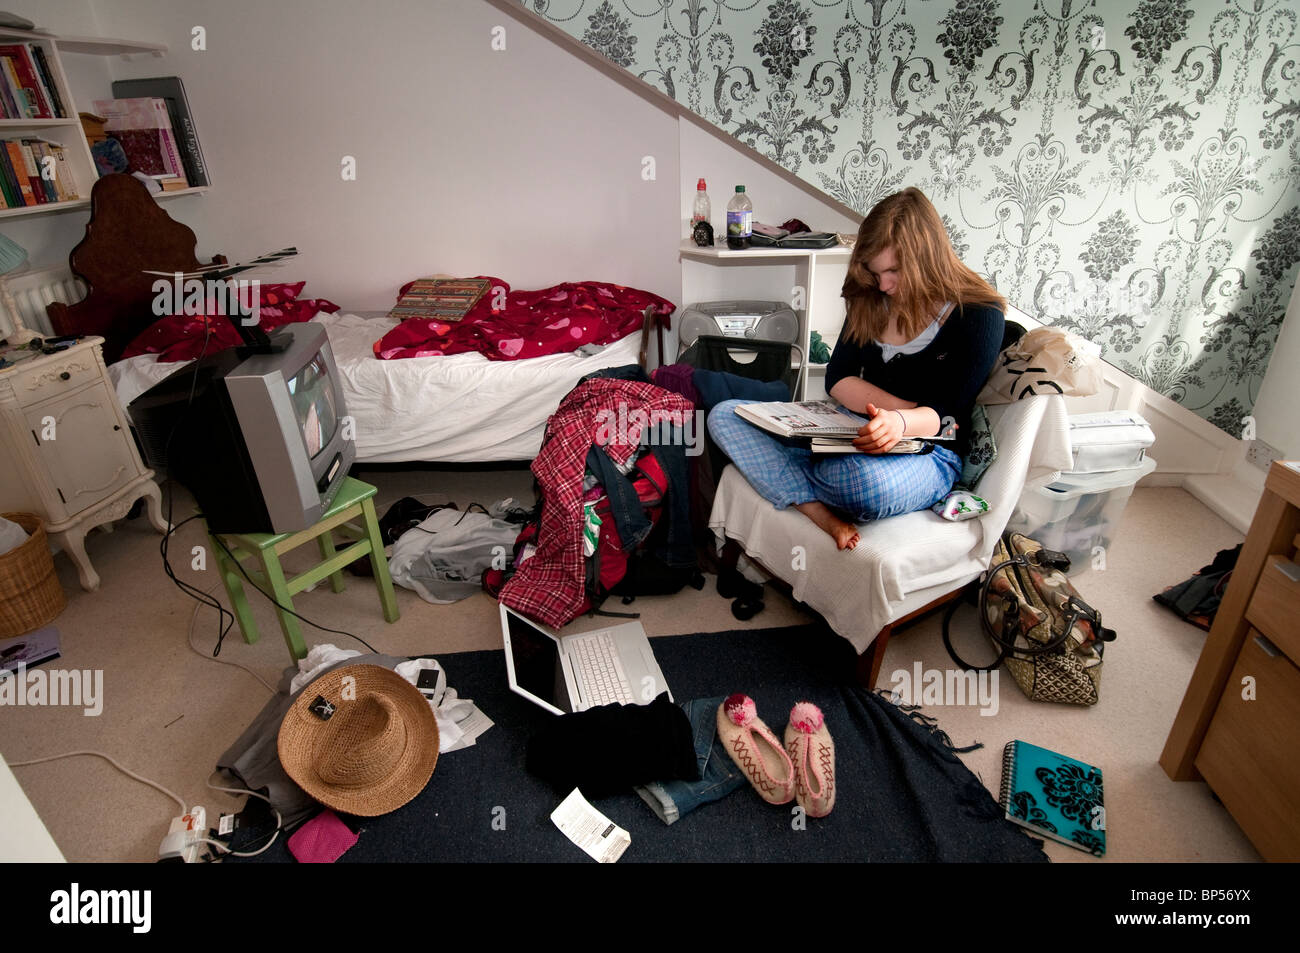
x: 1110, y: 440
x: 1078, y: 515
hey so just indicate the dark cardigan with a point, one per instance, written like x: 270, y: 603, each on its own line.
x: 946, y: 375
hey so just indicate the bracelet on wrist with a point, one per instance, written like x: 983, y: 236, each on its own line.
x: 904, y: 420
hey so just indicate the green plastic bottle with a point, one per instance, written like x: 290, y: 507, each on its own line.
x: 740, y: 220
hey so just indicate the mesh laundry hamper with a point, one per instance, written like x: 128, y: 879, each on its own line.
x: 30, y: 593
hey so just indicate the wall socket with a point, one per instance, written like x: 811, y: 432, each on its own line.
x: 1262, y: 454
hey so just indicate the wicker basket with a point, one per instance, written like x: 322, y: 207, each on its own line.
x: 30, y: 593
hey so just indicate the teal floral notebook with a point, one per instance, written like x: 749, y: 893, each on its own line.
x: 1054, y: 796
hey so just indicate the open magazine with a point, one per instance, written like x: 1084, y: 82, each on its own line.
x: 830, y: 427
x: 807, y: 418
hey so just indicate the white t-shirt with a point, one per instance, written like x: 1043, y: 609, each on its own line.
x: 918, y: 343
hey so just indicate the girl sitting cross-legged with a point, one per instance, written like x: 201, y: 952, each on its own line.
x: 920, y: 337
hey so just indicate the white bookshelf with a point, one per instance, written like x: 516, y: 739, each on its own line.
x: 67, y: 131
x: 105, y: 46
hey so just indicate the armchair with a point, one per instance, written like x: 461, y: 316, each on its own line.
x: 904, y: 566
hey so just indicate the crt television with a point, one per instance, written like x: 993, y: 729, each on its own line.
x: 256, y: 434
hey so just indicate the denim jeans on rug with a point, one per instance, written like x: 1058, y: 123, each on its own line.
x: 719, y: 775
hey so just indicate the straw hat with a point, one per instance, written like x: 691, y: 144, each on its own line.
x: 360, y: 739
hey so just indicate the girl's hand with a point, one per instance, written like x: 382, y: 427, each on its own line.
x: 880, y: 433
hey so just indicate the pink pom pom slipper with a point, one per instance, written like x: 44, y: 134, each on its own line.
x: 813, y: 754
x: 756, y: 751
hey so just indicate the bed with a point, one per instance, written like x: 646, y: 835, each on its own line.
x: 462, y: 408
x: 457, y: 409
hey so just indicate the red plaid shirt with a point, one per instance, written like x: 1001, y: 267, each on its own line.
x: 550, y: 586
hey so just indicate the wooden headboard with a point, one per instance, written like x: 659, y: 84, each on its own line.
x: 127, y: 235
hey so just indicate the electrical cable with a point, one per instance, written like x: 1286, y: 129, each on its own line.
x: 99, y: 754
x: 227, y: 852
x: 223, y: 626
x: 270, y: 598
x: 191, y: 590
x: 189, y: 639
x: 279, y: 823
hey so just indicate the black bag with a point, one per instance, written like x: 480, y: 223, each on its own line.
x: 406, y: 513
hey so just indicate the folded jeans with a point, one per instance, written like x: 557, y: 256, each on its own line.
x: 719, y: 776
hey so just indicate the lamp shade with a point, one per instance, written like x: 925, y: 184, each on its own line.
x: 12, y: 255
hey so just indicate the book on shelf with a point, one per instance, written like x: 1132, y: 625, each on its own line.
x: 1052, y: 795
x: 46, y: 76
x: 144, y: 130
x: 15, y: 169
x: 63, y: 172
x: 34, y: 172
x: 171, y: 91
x: 9, y: 105
x: 7, y: 187
x: 45, y: 172
x: 446, y: 299
x: 27, y: 95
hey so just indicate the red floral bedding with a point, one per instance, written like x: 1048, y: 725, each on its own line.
x: 180, y: 337
x: 510, y: 325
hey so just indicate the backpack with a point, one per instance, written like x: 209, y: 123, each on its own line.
x: 613, y: 568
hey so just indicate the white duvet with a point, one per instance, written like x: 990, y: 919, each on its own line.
x: 458, y: 409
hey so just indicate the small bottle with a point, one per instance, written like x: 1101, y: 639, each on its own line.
x: 740, y: 220
x: 702, y: 212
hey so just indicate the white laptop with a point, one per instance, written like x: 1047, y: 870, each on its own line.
x: 568, y: 673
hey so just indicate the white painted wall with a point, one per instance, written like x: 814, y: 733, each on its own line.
x: 524, y: 163
x: 1277, y: 410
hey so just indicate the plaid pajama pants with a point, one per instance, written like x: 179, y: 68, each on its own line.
x: 862, y: 486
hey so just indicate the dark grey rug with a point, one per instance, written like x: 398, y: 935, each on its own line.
x: 903, y: 795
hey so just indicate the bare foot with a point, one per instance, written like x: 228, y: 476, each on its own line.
x: 844, y: 534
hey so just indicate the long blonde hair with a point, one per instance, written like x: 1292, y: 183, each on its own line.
x: 929, y: 271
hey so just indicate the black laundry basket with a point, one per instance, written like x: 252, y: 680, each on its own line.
x: 770, y: 361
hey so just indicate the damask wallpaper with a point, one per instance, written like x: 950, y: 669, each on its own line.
x: 1127, y: 170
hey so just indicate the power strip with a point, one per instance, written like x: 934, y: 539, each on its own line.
x: 183, y: 842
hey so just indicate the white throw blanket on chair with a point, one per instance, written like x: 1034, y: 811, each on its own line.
x: 902, y: 563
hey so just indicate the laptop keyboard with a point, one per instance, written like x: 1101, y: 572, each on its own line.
x: 595, y: 658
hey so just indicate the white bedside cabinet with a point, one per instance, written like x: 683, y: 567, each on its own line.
x: 67, y: 450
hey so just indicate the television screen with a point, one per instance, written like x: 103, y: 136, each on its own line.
x: 312, y: 394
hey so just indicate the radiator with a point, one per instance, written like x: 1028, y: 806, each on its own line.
x: 27, y: 293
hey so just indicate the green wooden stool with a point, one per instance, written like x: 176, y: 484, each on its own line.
x: 355, y: 499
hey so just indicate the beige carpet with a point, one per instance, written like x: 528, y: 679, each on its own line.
x: 168, y: 712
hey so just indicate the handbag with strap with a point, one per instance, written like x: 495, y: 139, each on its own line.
x: 1050, y: 638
